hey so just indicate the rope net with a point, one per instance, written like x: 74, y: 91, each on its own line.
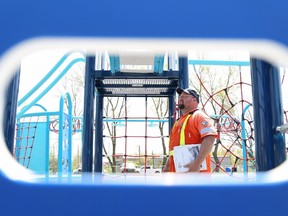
x: 24, y: 140
x: 134, y: 136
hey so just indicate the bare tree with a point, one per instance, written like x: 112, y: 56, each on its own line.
x: 114, y: 109
x: 161, y: 110
x: 73, y: 82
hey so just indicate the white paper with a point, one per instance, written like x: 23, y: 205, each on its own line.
x: 185, y: 154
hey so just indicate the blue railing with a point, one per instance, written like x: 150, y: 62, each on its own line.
x: 46, y: 78
x: 65, y: 137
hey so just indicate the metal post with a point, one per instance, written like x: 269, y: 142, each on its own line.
x: 244, y: 137
x: 183, y: 72
x: 88, y: 115
x: 268, y: 114
x: 171, y: 111
x: 10, y: 111
x: 98, y: 133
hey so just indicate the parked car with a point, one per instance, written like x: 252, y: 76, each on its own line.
x: 149, y: 170
x: 129, y: 168
x: 77, y: 171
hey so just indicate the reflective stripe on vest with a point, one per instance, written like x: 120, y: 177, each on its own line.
x: 182, y: 133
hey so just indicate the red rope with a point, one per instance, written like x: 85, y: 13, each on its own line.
x: 25, y: 141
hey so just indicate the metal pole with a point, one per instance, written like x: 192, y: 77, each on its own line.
x: 98, y: 134
x: 268, y: 114
x: 171, y: 112
x: 10, y: 111
x: 88, y: 115
x: 183, y: 72
x: 244, y: 137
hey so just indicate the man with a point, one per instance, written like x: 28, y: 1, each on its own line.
x: 193, y: 127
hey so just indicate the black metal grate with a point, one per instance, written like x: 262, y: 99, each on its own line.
x: 134, y: 84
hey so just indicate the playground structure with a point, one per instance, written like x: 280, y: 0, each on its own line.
x: 206, y: 24
x: 154, y: 76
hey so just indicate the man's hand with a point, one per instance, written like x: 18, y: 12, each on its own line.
x: 205, y: 149
x: 194, y: 166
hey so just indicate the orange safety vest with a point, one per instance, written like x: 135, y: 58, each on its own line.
x: 182, y: 141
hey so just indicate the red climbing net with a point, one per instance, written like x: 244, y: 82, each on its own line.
x: 25, y: 135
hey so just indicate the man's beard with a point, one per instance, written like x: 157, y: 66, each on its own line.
x: 181, y: 106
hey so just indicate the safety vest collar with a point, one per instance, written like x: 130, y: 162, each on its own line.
x: 182, y: 140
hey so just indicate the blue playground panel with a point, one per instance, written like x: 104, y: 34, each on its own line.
x: 97, y: 195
